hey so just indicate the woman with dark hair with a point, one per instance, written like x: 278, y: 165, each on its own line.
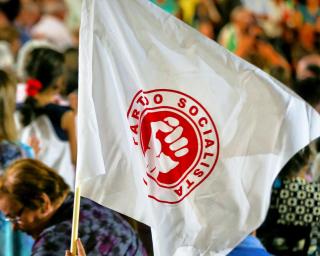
x: 38, y: 201
x: 11, y: 243
x: 41, y: 118
x: 292, y: 223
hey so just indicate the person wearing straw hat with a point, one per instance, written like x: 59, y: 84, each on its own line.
x: 38, y: 201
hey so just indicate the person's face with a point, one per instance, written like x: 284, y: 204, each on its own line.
x: 21, y: 217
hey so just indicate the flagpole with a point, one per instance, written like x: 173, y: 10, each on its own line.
x: 75, y: 221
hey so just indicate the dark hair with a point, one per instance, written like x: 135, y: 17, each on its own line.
x: 294, y: 165
x: 45, y: 65
x: 10, y: 8
x: 27, y: 180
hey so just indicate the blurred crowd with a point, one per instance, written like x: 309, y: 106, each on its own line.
x: 274, y: 35
x: 39, y: 42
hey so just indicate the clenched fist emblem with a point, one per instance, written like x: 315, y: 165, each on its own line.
x: 157, y: 159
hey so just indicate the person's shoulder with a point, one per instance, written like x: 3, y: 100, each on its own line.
x: 56, y: 112
x: 103, y: 215
x: 57, y: 108
x: 10, y: 151
x: 52, y: 241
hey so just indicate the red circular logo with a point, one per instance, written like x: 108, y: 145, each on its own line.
x: 178, y: 141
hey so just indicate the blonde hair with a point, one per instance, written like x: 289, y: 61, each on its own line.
x: 26, y: 181
x: 7, y: 107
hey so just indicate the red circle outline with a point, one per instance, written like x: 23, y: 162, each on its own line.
x: 215, y: 130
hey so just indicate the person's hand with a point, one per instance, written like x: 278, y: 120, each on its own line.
x: 34, y: 143
x: 80, y: 250
x: 157, y: 160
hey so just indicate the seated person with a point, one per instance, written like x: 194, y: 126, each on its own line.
x: 38, y: 201
x: 292, y: 223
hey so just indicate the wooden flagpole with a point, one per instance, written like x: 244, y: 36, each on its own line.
x: 75, y: 221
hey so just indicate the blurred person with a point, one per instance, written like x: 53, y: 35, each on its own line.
x: 9, y: 11
x: 27, y: 17
x: 292, y: 224
x: 11, y: 35
x: 241, y: 20
x: 225, y: 8
x: 38, y: 201
x: 206, y: 9
x: 53, y: 125
x: 206, y: 18
x: 11, y: 148
x: 309, y: 90
x: 12, y: 243
x: 24, y: 52
x: 51, y: 25
x: 245, y: 38
x: 20, y: 67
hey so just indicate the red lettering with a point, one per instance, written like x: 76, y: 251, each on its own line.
x: 207, y: 132
x: 203, y: 121
x: 134, y: 129
x: 178, y: 191
x: 189, y: 183
x: 135, y: 142
x: 207, y: 154
x: 158, y: 98
x: 204, y: 164
x: 209, y: 143
x: 182, y: 102
x: 193, y: 110
x: 143, y: 103
x: 135, y: 114
x: 198, y: 173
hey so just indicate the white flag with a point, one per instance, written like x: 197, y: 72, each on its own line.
x: 178, y: 133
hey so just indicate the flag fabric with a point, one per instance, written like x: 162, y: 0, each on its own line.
x: 177, y: 132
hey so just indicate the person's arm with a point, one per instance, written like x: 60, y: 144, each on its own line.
x: 68, y: 123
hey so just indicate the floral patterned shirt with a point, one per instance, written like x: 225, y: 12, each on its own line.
x: 101, y: 230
